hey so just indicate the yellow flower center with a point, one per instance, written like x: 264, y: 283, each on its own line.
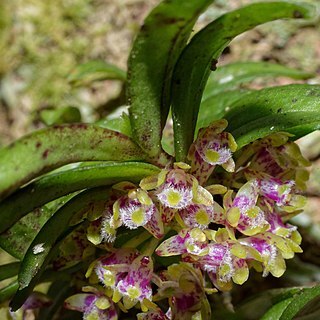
x: 202, y: 217
x: 173, y: 197
x: 93, y: 316
x: 138, y: 216
x: 102, y: 303
x: 108, y: 278
x: 212, y: 156
x: 133, y: 292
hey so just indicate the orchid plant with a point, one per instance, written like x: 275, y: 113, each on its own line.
x: 151, y: 214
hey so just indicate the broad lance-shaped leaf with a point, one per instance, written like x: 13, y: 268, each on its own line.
x: 48, y: 239
x: 91, y: 71
x: 120, y: 124
x: 220, y: 93
x: 47, y: 149
x: 306, y: 302
x: 58, y: 184
x: 153, y: 56
x: 201, y: 54
x: 275, y: 312
x: 303, y: 305
x: 255, y: 306
x: 18, y: 238
x: 7, y: 292
x: 292, y: 108
x: 232, y: 75
x: 9, y: 270
x: 60, y: 115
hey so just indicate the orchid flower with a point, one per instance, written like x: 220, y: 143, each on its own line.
x: 212, y: 147
x: 127, y: 273
x: 242, y: 212
x: 184, y: 286
x: 94, y: 304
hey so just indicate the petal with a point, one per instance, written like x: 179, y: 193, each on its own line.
x: 177, y: 190
x: 276, y: 190
x: 246, y: 197
x: 36, y: 300
x: 155, y: 225
x: 172, y: 247
x: 152, y: 315
x: 241, y: 272
x: 80, y: 302
x: 133, y: 213
x: 137, y: 284
x: 196, y: 215
x: 94, y: 232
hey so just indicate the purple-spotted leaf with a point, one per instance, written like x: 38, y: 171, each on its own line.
x: 17, y: 239
x: 216, y: 106
x: 51, y: 148
x: 45, y: 244
x: 58, y: 184
x: 153, y: 56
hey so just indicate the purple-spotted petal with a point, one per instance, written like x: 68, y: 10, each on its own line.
x: 177, y: 190
x: 36, y: 300
x: 243, y: 212
x: 155, y: 225
x: 276, y: 190
x: 133, y: 213
x: 153, y: 315
x: 197, y: 216
x: 173, y: 246
x: 188, y: 299
x: 212, y: 147
x: 112, y: 268
x: 92, y: 305
x: 136, y: 285
x: 192, y: 241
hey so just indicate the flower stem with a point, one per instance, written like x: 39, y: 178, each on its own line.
x: 150, y: 247
x: 137, y: 240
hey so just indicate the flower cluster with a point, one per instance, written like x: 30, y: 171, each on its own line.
x: 221, y: 214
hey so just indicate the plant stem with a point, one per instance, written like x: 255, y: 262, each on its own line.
x: 137, y: 240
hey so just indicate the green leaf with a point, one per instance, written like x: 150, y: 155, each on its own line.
x: 51, y: 148
x: 258, y: 304
x: 48, y: 240
x: 153, y: 56
x: 308, y: 296
x: 216, y: 106
x: 9, y: 270
x: 56, y: 185
x: 91, y: 71
x: 60, y: 115
x: 219, y: 95
x: 201, y: 54
x: 276, y: 311
x: 293, y: 108
x: 7, y: 292
x: 232, y: 75
x: 18, y: 238
x: 120, y: 124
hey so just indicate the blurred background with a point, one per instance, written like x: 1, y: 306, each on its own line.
x: 42, y: 43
